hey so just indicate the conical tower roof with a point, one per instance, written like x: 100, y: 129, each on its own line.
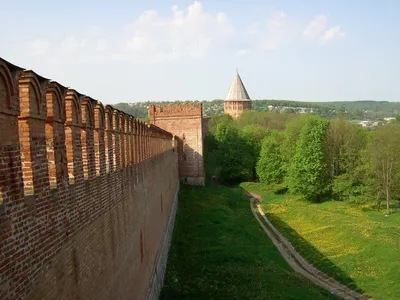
x: 237, y: 92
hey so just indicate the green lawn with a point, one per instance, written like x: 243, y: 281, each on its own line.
x: 219, y: 251
x: 355, y: 244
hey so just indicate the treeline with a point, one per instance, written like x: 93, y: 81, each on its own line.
x: 308, y: 155
x: 351, y: 110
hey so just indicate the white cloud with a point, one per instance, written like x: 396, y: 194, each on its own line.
x: 38, y: 46
x: 254, y: 28
x: 315, y: 27
x: 275, y: 32
x: 71, y: 44
x: 243, y: 52
x: 278, y: 31
x: 101, y: 45
x: 192, y: 33
x: 316, y: 30
x: 334, y: 33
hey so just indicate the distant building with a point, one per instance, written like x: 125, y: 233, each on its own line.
x: 238, y: 99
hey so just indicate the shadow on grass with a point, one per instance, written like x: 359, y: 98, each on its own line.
x: 219, y: 251
x: 308, y: 251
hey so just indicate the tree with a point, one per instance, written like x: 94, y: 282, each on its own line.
x: 218, y: 119
x: 308, y: 173
x: 384, y: 154
x: 234, y: 157
x: 269, y: 166
x: 252, y: 136
x: 345, y: 142
x: 289, y: 140
x: 267, y: 120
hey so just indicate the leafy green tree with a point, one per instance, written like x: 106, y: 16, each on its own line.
x: 252, y: 136
x: 210, y: 156
x: 269, y: 166
x: 234, y: 157
x: 219, y: 119
x: 289, y: 139
x: 383, y: 149
x: 308, y: 173
x: 267, y: 120
x: 344, y: 146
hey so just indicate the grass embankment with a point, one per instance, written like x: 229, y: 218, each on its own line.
x: 220, y: 252
x: 356, y: 245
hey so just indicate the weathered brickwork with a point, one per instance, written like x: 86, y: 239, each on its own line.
x: 86, y: 205
x: 235, y: 108
x: 184, y: 121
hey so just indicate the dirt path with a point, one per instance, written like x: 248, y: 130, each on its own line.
x: 296, y: 261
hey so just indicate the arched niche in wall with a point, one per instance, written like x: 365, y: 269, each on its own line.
x: 55, y: 133
x: 73, y: 141
x: 108, y: 138
x: 87, y: 138
x: 99, y: 138
x: 32, y: 136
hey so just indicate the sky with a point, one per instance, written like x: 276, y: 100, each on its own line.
x: 157, y: 50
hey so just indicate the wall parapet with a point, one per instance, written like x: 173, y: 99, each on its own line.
x: 68, y: 162
x: 175, y: 110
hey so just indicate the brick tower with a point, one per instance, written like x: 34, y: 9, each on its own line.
x: 238, y: 99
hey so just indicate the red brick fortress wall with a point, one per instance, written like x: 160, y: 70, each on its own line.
x: 184, y: 121
x: 86, y: 206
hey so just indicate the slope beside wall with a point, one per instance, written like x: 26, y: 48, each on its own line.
x: 86, y: 205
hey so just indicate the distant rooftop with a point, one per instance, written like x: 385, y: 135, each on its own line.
x: 237, y: 92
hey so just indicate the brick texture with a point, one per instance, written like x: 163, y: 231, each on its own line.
x: 86, y: 204
x: 235, y: 108
x: 184, y: 121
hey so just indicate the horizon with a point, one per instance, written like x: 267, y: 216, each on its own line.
x: 124, y: 52
x: 304, y: 101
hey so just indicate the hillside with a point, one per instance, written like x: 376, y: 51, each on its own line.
x: 359, y: 247
x: 352, y: 110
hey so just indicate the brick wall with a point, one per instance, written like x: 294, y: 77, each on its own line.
x: 184, y: 121
x: 235, y: 108
x: 86, y: 207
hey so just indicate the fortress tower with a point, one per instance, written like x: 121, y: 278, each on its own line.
x: 238, y: 99
x: 185, y: 122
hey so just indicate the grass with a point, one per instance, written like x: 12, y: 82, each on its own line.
x: 219, y: 251
x: 355, y: 244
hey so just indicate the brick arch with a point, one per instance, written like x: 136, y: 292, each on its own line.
x: 55, y: 98
x: 99, y: 138
x: 32, y: 136
x: 116, y: 139
x: 87, y: 137
x: 9, y: 102
x: 55, y: 135
x: 10, y: 188
x: 135, y: 147
x: 99, y: 115
x: 73, y: 107
x: 122, y: 139
x: 116, y: 119
x: 129, y: 122
x: 108, y: 138
x: 73, y: 135
x: 108, y: 117
x: 32, y: 95
x: 122, y: 124
x: 87, y: 108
